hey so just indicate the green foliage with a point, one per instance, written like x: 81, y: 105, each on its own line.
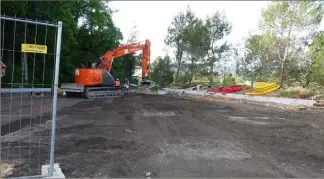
x: 185, y: 77
x: 218, y: 27
x: 288, y: 94
x: 81, y: 43
x: 255, y: 64
x: 228, y: 80
x: 317, y: 55
x: 293, y: 93
x: 117, y: 70
x: 154, y: 88
x: 130, y: 61
x: 176, y: 38
x: 288, y: 16
x: 279, y: 52
x: 195, y: 44
x: 283, y: 20
x: 188, y: 85
x: 161, y: 71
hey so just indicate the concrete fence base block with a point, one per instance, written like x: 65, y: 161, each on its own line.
x: 56, y: 174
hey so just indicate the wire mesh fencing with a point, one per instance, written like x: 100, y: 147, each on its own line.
x: 29, y: 56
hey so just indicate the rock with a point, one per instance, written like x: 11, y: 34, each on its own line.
x: 6, y: 169
x: 302, y: 108
x: 319, y: 104
x: 148, y: 174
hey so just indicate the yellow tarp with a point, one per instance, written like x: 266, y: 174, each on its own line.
x: 263, y: 88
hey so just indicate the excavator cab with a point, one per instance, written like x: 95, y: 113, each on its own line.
x: 94, y: 63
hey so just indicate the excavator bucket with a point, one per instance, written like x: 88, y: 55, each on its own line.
x: 145, y: 83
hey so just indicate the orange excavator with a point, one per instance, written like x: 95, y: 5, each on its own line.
x: 97, y: 82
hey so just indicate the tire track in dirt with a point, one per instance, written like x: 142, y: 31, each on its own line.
x: 176, y: 137
x: 260, y: 137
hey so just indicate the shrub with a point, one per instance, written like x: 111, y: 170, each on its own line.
x: 154, y: 88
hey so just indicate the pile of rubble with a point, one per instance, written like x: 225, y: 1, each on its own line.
x: 319, y: 103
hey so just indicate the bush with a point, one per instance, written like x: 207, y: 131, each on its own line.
x: 154, y: 88
x: 229, y: 80
x: 134, y: 80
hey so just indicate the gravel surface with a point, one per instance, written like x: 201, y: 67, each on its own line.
x: 141, y: 135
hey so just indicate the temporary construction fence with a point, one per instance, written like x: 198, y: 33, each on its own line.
x: 30, y: 58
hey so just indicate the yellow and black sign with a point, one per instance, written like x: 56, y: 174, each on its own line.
x: 33, y: 48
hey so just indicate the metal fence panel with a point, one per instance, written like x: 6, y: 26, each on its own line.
x: 30, y: 56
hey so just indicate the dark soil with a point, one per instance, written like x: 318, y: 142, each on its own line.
x: 170, y: 136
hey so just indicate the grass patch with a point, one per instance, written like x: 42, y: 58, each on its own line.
x: 303, y: 93
x: 214, y: 84
x: 288, y: 94
x: 188, y: 85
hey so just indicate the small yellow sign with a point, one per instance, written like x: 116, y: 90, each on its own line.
x: 33, y: 48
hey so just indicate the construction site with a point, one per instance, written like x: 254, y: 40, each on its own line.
x: 78, y: 102
x: 149, y: 135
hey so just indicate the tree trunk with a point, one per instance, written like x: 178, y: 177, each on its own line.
x: 309, y: 74
x: 211, y: 80
x: 179, y: 60
x: 178, y: 71
x: 191, y: 69
x: 285, y: 56
x: 281, y: 74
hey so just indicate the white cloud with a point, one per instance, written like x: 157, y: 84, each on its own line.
x: 152, y: 18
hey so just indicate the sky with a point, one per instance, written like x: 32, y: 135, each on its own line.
x: 152, y: 18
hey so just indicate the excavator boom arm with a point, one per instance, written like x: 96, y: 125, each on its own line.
x: 107, y: 59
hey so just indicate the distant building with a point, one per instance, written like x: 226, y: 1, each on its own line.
x: 138, y: 71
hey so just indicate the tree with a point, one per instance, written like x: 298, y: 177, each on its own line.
x: 161, y: 71
x: 175, y: 37
x: 130, y: 60
x: 133, y: 34
x: 283, y: 20
x: 81, y: 42
x: 224, y: 70
x: 218, y: 27
x: 255, y: 64
x: 197, y: 39
x: 317, y: 54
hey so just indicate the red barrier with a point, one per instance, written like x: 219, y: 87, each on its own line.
x: 227, y: 89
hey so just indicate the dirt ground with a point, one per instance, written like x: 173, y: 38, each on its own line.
x: 170, y: 136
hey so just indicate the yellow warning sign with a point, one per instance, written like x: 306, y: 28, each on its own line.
x: 33, y: 48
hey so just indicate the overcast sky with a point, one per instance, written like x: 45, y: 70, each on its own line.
x: 152, y: 18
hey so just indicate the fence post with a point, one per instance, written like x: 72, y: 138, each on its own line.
x: 56, y: 78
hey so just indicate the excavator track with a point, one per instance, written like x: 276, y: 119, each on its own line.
x: 103, y: 92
